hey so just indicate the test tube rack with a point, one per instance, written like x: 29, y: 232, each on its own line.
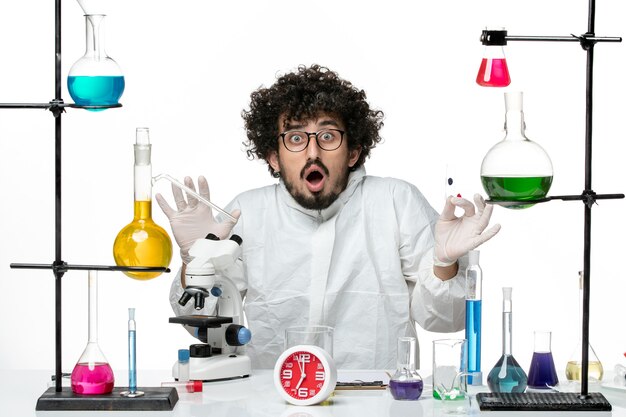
x: 588, y: 40
x: 59, y: 398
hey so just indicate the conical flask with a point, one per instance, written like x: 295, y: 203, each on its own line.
x: 95, y: 79
x: 507, y: 375
x: 143, y: 242
x: 493, y: 70
x: 92, y: 373
x: 573, y: 370
x: 542, y: 372
x: 516, y: 169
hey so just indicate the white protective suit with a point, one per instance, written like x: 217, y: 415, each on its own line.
x: 364, y: 266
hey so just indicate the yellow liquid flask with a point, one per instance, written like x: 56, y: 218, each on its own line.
x: 573, y: 370
x: 143, y: 242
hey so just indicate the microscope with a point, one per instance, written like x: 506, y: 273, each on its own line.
x: 223, y: 334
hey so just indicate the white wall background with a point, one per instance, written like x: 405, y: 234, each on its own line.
x: 190, y: 66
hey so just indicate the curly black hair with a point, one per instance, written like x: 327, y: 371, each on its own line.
x: 301, y: 96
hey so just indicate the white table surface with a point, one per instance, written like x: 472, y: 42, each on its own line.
x: 255, y: 396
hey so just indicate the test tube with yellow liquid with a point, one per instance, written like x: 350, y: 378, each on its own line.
x: 142, y: 242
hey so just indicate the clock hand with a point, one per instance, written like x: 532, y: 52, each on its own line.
x: 300, y: 382
x: 302, y: 374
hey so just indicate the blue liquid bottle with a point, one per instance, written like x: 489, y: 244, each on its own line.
x: 473, y: 319
x: 507, y: 375
x: 95, y: 79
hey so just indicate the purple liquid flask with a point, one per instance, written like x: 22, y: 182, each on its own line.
x: 542, y: 373
x: 406, y: 383
x: 92, y: 373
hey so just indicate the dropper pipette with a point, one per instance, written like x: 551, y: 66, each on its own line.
x: 193, y: 193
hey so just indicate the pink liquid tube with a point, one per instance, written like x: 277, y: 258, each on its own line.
x: 493, y: 72
x: 95, y: 379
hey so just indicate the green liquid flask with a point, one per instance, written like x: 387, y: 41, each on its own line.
x: 143, y: 242
x: 516, y: 169
x: 507, y: 375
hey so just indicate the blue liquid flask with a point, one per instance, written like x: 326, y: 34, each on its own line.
x: 95, y: 79
x: 507, y: 375
x: 473, y: 313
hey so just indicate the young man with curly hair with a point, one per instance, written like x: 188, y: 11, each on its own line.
x: 328, y: 244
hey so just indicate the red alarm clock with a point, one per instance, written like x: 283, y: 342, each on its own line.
x: 305, y: 375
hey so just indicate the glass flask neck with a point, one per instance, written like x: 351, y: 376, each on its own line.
x: 93, y: 306
x: 143, y: 175
x: 543, y: 341
x: 514, y: 124
x: 406, y: 354
x: 507, y: 323
x: 95, y: 40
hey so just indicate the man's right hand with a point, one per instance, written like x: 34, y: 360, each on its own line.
x: 193, y: 220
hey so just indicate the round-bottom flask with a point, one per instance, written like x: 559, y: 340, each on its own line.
x: 406, y: 383
x: 142, y: 242
x: 92, y: 373
x: 516, y: 169
x: 95, y: 79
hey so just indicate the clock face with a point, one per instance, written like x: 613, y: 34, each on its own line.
x: 305, y: 375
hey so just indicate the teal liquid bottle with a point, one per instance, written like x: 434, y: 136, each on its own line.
x: 95, y: 79
x: 516, y: 169
x: 507, y: 375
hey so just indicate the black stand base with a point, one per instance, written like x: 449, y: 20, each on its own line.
x: 155, y: 399
x: 542, y: 401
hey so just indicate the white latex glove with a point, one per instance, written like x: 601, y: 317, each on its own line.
x: 193, y: 220
x: 455, y: 236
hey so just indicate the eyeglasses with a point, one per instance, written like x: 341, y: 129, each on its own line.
x: 327, y: 139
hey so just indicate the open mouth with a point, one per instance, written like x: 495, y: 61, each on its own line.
x: 315, y: 177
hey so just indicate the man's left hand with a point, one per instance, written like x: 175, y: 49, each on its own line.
x: 455, y: 236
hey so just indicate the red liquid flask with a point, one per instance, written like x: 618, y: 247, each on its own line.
x: 92, y: 378
x: 92, y: 374
x: 493, y: 71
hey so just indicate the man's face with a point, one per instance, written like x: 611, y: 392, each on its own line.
x: 314, y: 177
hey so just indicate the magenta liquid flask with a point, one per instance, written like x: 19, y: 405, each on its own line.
x: 493, y: 70
x: 406, y: 383
x: 92, y: 373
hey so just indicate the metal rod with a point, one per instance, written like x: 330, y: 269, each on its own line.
x: 90, y: 267
x: 57, y: 201
x: 584, y: 383
x: 571, y: 38
x: 54, y: 104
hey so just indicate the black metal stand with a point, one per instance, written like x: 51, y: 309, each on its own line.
x: 588, y: 196
x: 60, y: 399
